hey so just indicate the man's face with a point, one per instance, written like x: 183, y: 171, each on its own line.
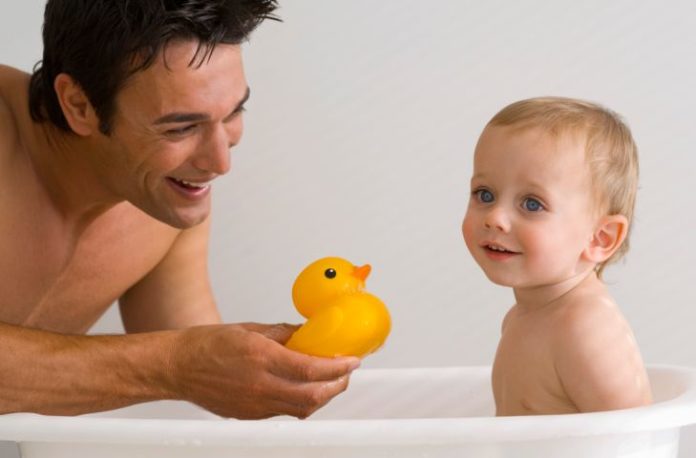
x: 172, y: 132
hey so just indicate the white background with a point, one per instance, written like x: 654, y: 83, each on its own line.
x: 358, y: 143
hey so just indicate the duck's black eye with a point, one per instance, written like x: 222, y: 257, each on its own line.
x: 330, y: 273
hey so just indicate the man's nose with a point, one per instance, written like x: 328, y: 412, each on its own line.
x: 497, y: 218
x: 215, y: 154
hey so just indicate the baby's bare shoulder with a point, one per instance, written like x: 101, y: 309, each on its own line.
x: 596, y: 355
x: 590, y: 327
x: 588, y: 311
x: 509, y: 316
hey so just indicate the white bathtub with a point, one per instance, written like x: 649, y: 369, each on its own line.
x: 399, y: 413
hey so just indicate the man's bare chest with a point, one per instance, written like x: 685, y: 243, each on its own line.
x: 54, y: 282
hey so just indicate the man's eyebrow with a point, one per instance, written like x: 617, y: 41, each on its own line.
x: 243, y: 101
x: 181, y: 117
x: 178, y: 117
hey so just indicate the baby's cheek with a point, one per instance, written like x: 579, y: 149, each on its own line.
x: 534, y: 242
x: 472, y: 237
x: 547, y: 251
x: 468, y: 229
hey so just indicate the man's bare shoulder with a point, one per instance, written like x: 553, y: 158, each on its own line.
x: 10, y: 81
x: 8, y: 129
x: 6, y: 74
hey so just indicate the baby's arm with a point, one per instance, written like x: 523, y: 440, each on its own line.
x: 597, y: 359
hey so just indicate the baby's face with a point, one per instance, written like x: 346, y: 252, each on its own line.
x: 530, y: 213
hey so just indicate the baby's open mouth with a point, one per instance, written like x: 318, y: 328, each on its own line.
x: 499, y: 249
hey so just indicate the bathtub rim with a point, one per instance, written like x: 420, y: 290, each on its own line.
x: 674, y: 413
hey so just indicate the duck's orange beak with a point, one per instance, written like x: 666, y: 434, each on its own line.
x: 362, y: 272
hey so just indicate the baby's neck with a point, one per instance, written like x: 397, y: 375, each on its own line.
x: 537, y: 297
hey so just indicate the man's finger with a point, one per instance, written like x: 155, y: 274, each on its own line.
x: 303, y: 399
x: 280, y: 332
x: 304, y: 368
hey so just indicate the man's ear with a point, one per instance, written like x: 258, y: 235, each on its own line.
x: 77, y: 108
x: 609, y: 234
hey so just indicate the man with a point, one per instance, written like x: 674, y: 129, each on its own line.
x: 107, y: 157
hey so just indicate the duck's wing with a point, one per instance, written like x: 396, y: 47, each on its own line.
x: 317, y: 331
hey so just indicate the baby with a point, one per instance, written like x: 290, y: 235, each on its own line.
x: 552, y: 197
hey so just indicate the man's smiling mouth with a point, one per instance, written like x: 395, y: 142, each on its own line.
x: 190, y: 190
x: 189, y: 184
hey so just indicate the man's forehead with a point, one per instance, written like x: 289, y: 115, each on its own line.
x: 187, y: 57
x: 172, y: 78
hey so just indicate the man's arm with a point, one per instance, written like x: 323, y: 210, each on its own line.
x: 243, y: 371
x: 57, y: 374
x: 176, y: 293
x: 234, y: 370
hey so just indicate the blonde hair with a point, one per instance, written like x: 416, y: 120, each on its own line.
x: 610, y: 151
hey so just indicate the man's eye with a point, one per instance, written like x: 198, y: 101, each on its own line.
x: 484, y: 196
x: 181, y: 130
x: 234, y: 114
x: 532, y: 205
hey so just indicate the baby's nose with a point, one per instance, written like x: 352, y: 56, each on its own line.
x: 497, y: 219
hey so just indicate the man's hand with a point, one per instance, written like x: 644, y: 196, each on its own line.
x: 244, y: 371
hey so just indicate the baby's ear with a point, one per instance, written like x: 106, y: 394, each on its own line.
x: 609, y: 234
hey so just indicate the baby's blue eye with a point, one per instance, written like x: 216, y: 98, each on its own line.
x: 532, y: 205
x: 485, y: 196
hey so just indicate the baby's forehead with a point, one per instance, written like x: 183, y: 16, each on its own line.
x: 531, y: 157
x: 534, y: 132
x: 534, y: 143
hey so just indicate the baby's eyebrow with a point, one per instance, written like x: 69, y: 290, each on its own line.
x: 536, y: 186
x: 479, y: 178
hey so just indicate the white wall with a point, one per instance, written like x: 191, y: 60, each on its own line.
x: 359, y: 139
x: 358, y: 143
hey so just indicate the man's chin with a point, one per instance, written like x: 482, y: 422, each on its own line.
x: 180, y: 218
x: 185, y: 222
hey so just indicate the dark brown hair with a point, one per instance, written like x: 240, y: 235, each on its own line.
x: 101, y: 43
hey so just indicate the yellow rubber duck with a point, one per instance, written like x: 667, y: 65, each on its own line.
x: 342, y: 319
